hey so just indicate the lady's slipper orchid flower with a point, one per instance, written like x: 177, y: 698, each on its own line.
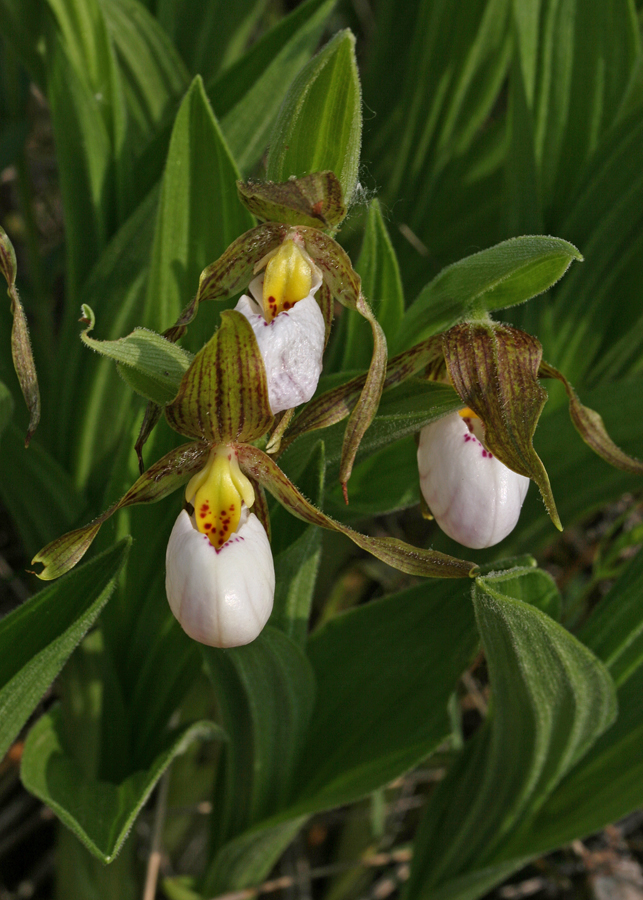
x: 474, y: 497
x: 220, y: 577
x: 288, y: 324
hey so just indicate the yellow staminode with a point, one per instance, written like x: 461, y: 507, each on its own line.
x: 467, y: 413
x: 288, y: 279
x: 216, y: 493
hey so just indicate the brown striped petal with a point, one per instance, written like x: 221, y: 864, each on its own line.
x: 223, y: 396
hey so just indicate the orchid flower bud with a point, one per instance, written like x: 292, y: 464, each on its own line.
x: 474, y: 498
x: 288, y: 324
x: 220, y: 577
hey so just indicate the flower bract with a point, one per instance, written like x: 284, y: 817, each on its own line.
x: 474, y: 498
x: 220, y: 577
x: 288, y: 325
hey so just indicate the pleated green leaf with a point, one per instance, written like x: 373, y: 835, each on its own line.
x: 607, y: 784
x: 382, y: 690
x: 502, y: 276
x: 37, y: 638
x: 99, y: 813
x: 552, y: 699
x: 319, y: 125
x: 265, y: 693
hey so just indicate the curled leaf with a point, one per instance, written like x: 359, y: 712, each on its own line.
x: 23, y: 361
x: 223, y: 396
x: 591, y: 428
x: 152, y: 365
x: 394, y: 552
x: 161, y: 479
x: 152, y: 417
x: 494, y: 369
x: 314, y: 200
x: 231, y: 273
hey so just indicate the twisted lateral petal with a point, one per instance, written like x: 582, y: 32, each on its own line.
x: 222, y: 598
x: 474, y: 497
x: 291, y: 346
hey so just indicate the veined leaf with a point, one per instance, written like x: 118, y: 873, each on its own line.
x: 99, y: 813
x: 37, y: 638
x: 319, y: 126
x: 502, y: 276
x: 552, y: 699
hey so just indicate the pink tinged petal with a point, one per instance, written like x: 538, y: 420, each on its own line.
x: 222, y: 598
x: 291, y: 346
x: 474, y: 497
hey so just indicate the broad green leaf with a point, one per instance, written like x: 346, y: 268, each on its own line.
x: 607, y: 784
x: 199, y: 212
x: 246, y: 860
x: 100, y: 813
x: 552, y: 698
x: 319, y: 125
x: 265, y: 693
x: 37, y: 638
x: 382, y: 286
x: 502, y: 276
x: 39, y: 494
x: 150, y: 364
x: 247, y: 96
x: 383, y: 684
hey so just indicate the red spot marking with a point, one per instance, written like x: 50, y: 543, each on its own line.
x: 272, y: 301
x: 229, y: 455
x: 202, y: 515
x: 232, y: 508
x: 204, y: 507
x: 208, y: 526
x: 287, y: 305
